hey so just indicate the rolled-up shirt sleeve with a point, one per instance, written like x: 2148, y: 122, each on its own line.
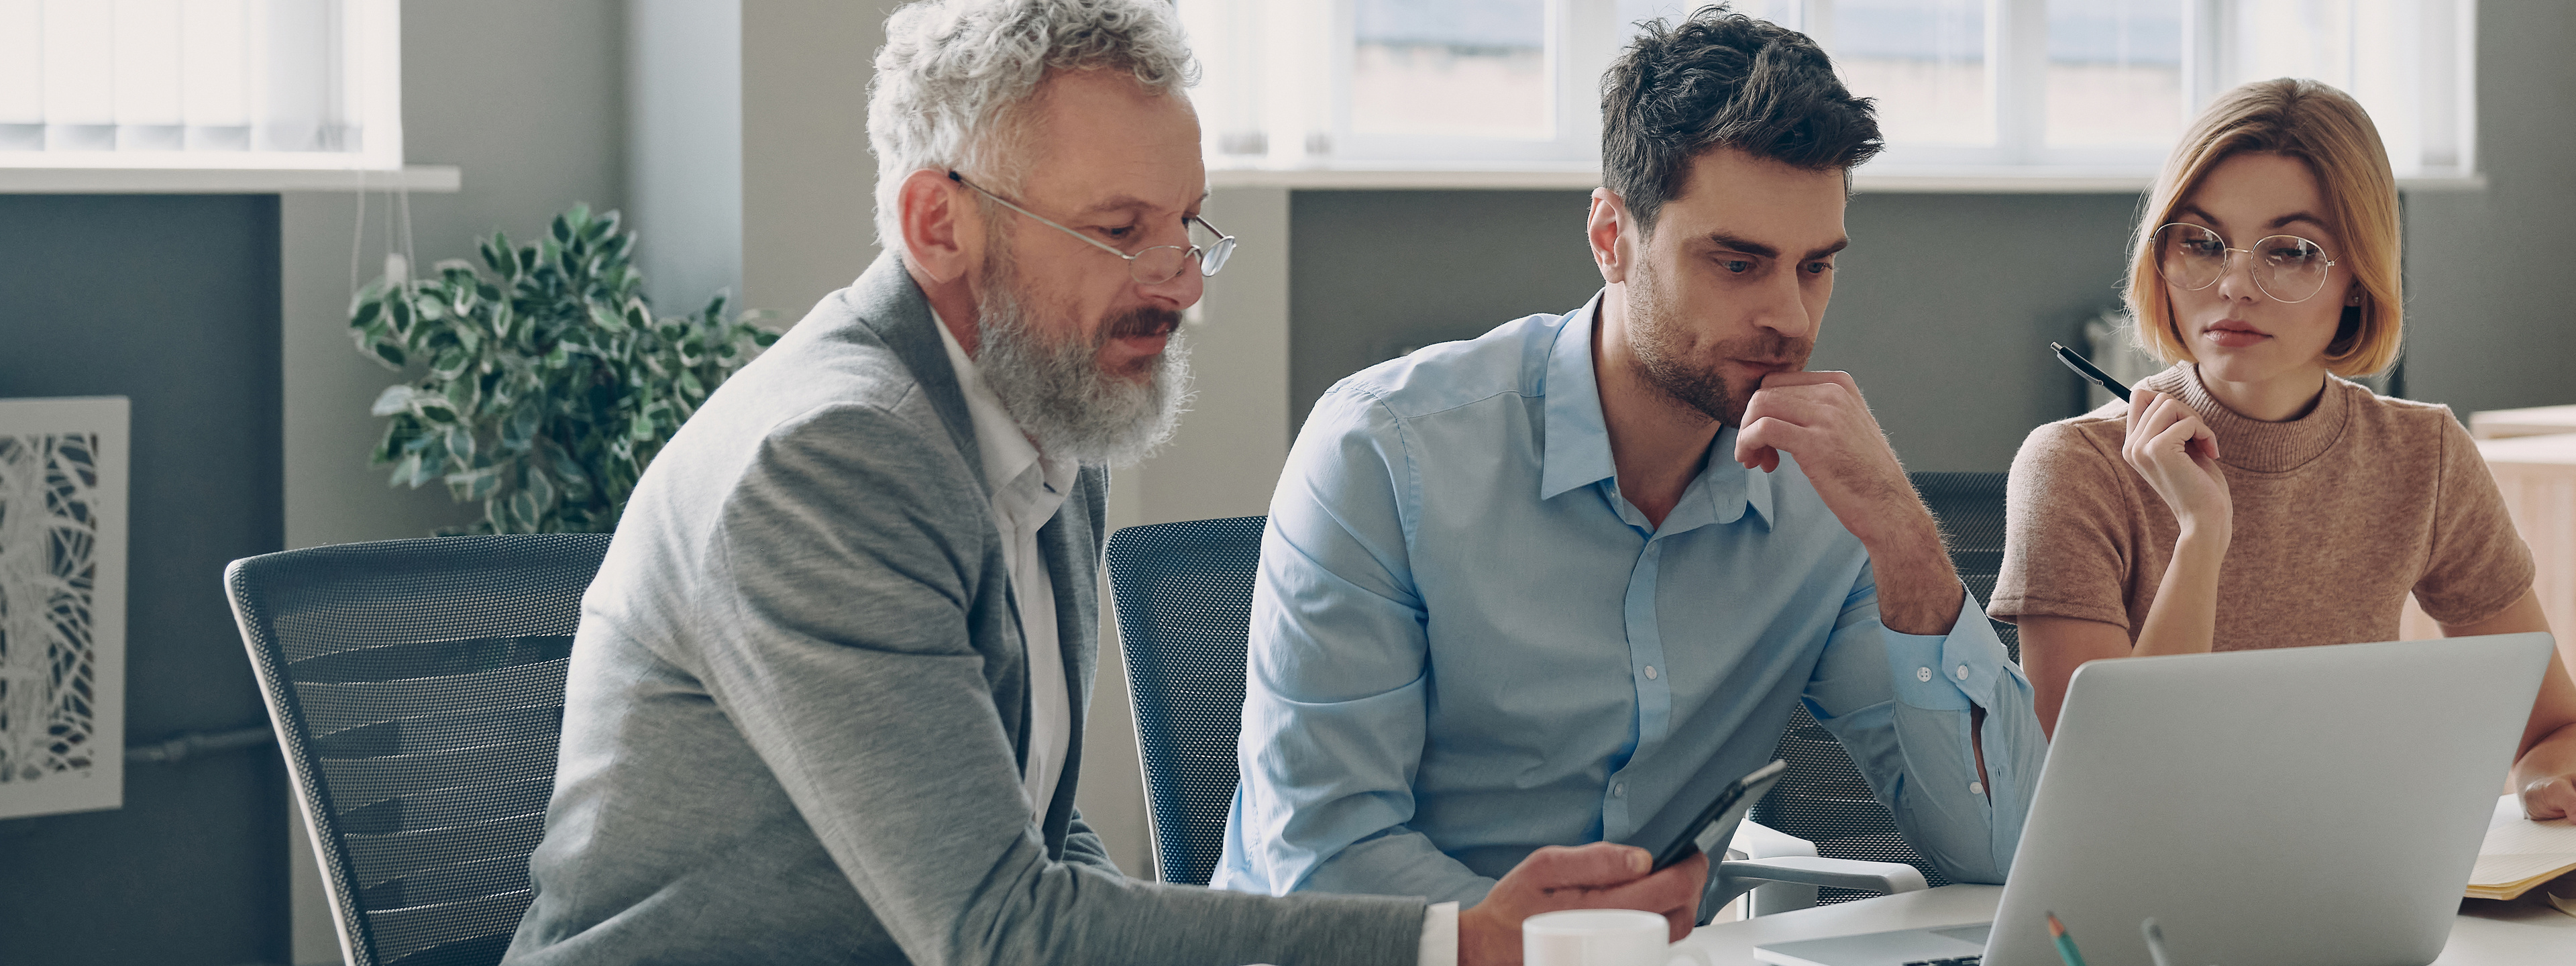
x: 1335, y: 697
x: 1901, y: 706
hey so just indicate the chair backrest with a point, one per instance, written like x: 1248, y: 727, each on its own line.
x: 1184, y: 598
x: 1822, y: 798
x: 417, y: 690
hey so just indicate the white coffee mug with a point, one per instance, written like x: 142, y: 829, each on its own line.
x: 1597, y: 937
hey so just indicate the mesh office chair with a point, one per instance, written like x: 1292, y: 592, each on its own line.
x: 417, y: 690
x: 1822, y: 798
x: 1184, y: 598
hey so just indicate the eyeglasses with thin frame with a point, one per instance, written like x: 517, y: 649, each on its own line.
x: 2286, y: 267
x: 1150, y: 266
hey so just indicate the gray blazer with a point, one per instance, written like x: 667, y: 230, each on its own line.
x: 799, y: 701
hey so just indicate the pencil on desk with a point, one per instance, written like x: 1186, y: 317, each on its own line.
x: 2065, y: 943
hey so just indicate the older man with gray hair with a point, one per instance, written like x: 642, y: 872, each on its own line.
x: 826, y: 702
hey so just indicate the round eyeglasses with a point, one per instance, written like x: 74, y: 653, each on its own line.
x: 2286, y: 267
x: 1149, y: 266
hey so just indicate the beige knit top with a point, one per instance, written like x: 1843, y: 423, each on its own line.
x: 2338, y: 515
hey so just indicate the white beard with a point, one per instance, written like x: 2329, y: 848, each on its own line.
x: 1056, y: 391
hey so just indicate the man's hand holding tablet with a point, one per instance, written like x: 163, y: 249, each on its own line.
x: 1602, y: 875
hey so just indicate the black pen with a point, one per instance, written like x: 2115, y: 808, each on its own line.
x: 2086, y: 369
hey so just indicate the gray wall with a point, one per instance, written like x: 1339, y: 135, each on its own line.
x: 683, y: 72
x: 529, y: 100
x: 1934, y: 288
x: 171, y: 301
x: 807, y: 176
x: 2488, y: 314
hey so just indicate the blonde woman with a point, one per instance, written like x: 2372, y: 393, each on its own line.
x: 2250, y: 497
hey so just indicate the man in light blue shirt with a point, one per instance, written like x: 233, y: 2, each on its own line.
x: 1560, y: 583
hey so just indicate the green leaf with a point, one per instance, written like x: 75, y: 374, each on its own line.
x: 395, y: 399
x: 605, y: 319
x: 460, y: 444
x: 521, y: 429
x: 406, y: 470
x: 523, y: 506
x: 466, y: 395
x: 572, y: 473
x: 393, y: 357
x: 473, y: 484
x: 366, y: 314
x: 640, y: 428
x: 541, y: 488
x: 390, y: 446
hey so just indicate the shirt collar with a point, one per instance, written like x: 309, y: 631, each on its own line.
x: 1578, y: 441
x: 1007, y: 453
x: 1578, y: 438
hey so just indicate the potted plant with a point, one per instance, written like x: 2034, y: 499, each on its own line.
x: 550, y: 383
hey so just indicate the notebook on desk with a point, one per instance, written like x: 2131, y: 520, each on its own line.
x: 2310, y: 806
x: 2520, y: 853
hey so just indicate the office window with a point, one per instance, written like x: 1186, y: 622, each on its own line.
x: 2094, y: 86
x: 200, y: 84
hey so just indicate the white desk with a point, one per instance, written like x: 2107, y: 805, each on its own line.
x: 2524, y: 932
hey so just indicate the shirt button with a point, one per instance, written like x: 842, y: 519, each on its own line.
x: 1976, y: 788
x: 1923, y: 674
x: 1618, y: 788
x: 1963, y: 672
x: 1650, y: 672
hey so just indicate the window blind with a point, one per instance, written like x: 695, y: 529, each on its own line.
x: 199, y: 83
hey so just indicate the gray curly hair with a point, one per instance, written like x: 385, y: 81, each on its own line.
x: 955, y: 75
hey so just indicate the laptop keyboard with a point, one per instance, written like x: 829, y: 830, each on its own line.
x: 1952, y: 961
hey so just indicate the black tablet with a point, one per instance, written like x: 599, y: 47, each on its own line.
x: 1716, y: 823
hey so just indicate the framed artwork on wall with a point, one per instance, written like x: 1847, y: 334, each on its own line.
x: 63, y: 466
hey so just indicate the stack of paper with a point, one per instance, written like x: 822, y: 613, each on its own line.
x: 2520, y: 853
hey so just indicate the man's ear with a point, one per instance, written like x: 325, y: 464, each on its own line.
x: 1604, y: 228
x: 942, y: 236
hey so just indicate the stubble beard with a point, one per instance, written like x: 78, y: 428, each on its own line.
x: 1664, y: 359
x: 1055, y: 388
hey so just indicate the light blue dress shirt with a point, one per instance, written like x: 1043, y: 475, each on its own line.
x: 1466, y: 644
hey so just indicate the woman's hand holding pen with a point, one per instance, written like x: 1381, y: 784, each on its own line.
x: 2176, y: 453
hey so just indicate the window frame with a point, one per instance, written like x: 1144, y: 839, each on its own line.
x: 1313, y: 133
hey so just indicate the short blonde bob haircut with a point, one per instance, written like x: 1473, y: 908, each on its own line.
x: 2326, y: 128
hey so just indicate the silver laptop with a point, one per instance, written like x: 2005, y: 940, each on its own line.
x: 2309, y: 805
